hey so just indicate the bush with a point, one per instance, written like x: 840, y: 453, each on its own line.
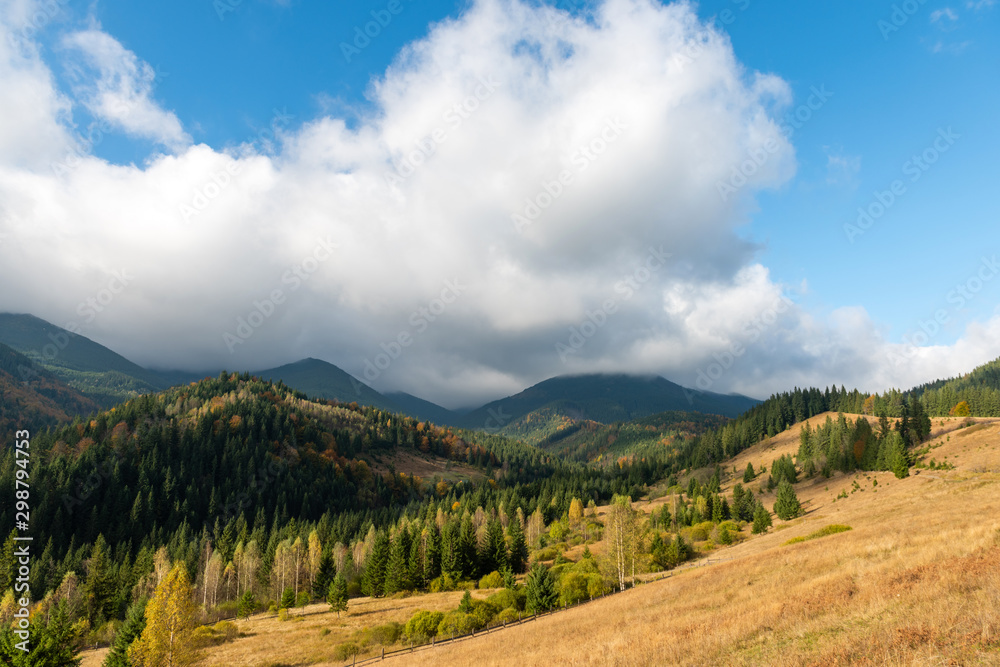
x: 455, y: 623
x: 442, y: 584
x: 492, y: 580
x: 272, y: 608
x: 548, y: 553
x: 423, y: 625
x: 483, y: 612
x: 832, y: 529
x: 302, y: 600
x: 282, y: 614
x: 227, y: 630
x: 383, y: 635
x: 573, y: 588
x: 509, y: 599
x: 508, y: 615
x: 345, y: 651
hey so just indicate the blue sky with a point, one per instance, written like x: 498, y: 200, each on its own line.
x: 892, y: 84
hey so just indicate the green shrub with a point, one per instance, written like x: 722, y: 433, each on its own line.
x: 288, y: 598
x: 455, y: 623
x: 423, y: 625
x: 382, y: 635
x: 492, y: 580
x: 302, y: 600
x: 345, y: 651
x: 509, y: 599
x: 483, y: 612
x: 508, y: 615
x: 548, y: 553
x: 282, y: 614
x: 442, y: 584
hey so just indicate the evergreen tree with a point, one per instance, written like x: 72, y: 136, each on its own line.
x: 432, y: 553
x: 465, y: 606
x: 337, y: 594
x: 53, y: 641
x: 135, y: 623
x: 540, y: 590
x: 397, y: 573
x: 518, y: 546
x: 323, y: 576
x: 786, y: 504
x: 247, y: 604
x: 467, y: 549
x: 98, y: 589
x: 761, y: 520
x: 494, y: 554
x: 749, y: 474
x: 373, y: 582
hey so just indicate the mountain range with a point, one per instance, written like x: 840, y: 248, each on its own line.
x: 90, y: 375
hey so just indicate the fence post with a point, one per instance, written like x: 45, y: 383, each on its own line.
x: 383, y: 653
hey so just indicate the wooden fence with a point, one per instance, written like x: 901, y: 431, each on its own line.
x: 435, y: 642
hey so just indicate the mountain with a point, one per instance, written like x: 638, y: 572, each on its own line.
x: 319, y: 379
x: 604, y: 398
x: 417, y: 407
x: 31, y: 398
x: 102, y: 375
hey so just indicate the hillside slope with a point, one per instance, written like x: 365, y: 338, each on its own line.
x: 92, y: 369
x: 917, y: 580
x: 32, y: 398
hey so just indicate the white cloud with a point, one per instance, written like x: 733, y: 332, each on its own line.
x: 120, y: 89
x: 477, y: 121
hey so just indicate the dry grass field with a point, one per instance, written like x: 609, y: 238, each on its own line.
x: 917, y: 581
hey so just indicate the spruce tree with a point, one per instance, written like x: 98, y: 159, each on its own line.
x: 324, y: 575
x: 135, y: 623
x: 761, y: 520
x: 337, y: 594
x: 786, y: 505
x: 749, y: 474
x: 518, y: 546
x: 397, y: 573
x: 373, y: 582
x: 246, y: 605
x: 540, y: 590
x: 494, y: 554
x: 432, y: 554
x: 468, y: 561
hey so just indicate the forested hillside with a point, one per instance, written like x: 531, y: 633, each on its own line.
x: 32, y: 398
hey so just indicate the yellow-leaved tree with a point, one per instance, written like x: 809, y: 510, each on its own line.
x: 170, y: 620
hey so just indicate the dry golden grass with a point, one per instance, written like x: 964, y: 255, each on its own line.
x: 917, y: 581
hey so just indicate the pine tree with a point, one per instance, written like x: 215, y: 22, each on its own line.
x: 749, y: 474
x: 323, y: 576
x: 786, y: 504
x: 761, y: 520
x: 494, y: 554
x: 135, y: 623
x: 432, y: 553
x: 337, y: 594
x: 518, y: 546
x: 397, y: 573
x: 540, y: 590
x: 373, y: 582
x: 170, y: 615
x: 53, y: 641
x: 467, y: 549
x: 246, y: 605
